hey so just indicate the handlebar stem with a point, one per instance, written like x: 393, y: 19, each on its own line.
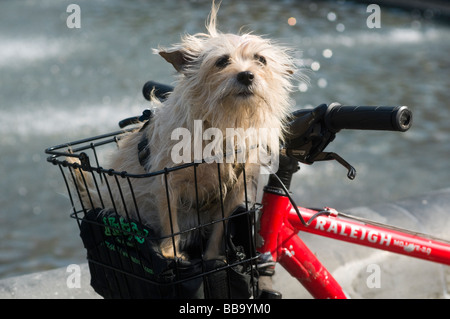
x: 287, y: 167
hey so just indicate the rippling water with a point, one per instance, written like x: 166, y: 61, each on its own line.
x: 59, y: 84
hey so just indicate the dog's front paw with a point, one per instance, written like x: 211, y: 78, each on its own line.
x: 169, y: 252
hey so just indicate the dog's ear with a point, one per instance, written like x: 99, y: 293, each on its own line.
x: 177, y: 58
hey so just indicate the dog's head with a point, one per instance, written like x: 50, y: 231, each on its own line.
x: 228, y: 75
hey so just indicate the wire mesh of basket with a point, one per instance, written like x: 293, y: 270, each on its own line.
x: 123, y: 252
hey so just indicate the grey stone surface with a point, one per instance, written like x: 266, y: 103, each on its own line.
x: 61, y: 283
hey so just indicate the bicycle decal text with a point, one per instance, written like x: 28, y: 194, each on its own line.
x: 410, y: 247
x: 353, y: 231
x: 371, y: 235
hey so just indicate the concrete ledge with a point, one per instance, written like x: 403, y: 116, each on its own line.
x: 50, y: 284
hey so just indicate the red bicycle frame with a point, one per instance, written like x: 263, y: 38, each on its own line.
x: 280, y: 225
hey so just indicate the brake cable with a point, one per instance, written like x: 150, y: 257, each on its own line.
x: 306, y: 224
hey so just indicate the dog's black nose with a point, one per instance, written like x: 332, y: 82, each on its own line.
x: 245, y: 77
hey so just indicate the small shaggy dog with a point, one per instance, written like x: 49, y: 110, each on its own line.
x: 229, y: 84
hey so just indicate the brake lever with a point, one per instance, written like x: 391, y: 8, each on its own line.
x: 327, y: 156
x: 311, y: 137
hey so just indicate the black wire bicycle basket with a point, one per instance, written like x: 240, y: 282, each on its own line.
x: 123, y: 253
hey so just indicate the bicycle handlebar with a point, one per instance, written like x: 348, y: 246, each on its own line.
x: 312, y: 130
x: 159, y: 90
x: 386, y: 118
x: 336, y: 116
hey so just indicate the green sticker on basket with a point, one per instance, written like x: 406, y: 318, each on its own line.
x: 127, y: 230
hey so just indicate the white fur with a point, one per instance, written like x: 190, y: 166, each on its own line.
x: 211, y: 94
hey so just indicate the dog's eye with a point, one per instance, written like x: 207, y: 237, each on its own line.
x: 260, y: 59
x: 223, y: 61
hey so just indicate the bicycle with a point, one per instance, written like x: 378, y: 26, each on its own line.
x: 123, y: 256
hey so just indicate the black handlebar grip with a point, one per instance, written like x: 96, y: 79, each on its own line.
x: 159, y: 90
x: 386, y: 118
